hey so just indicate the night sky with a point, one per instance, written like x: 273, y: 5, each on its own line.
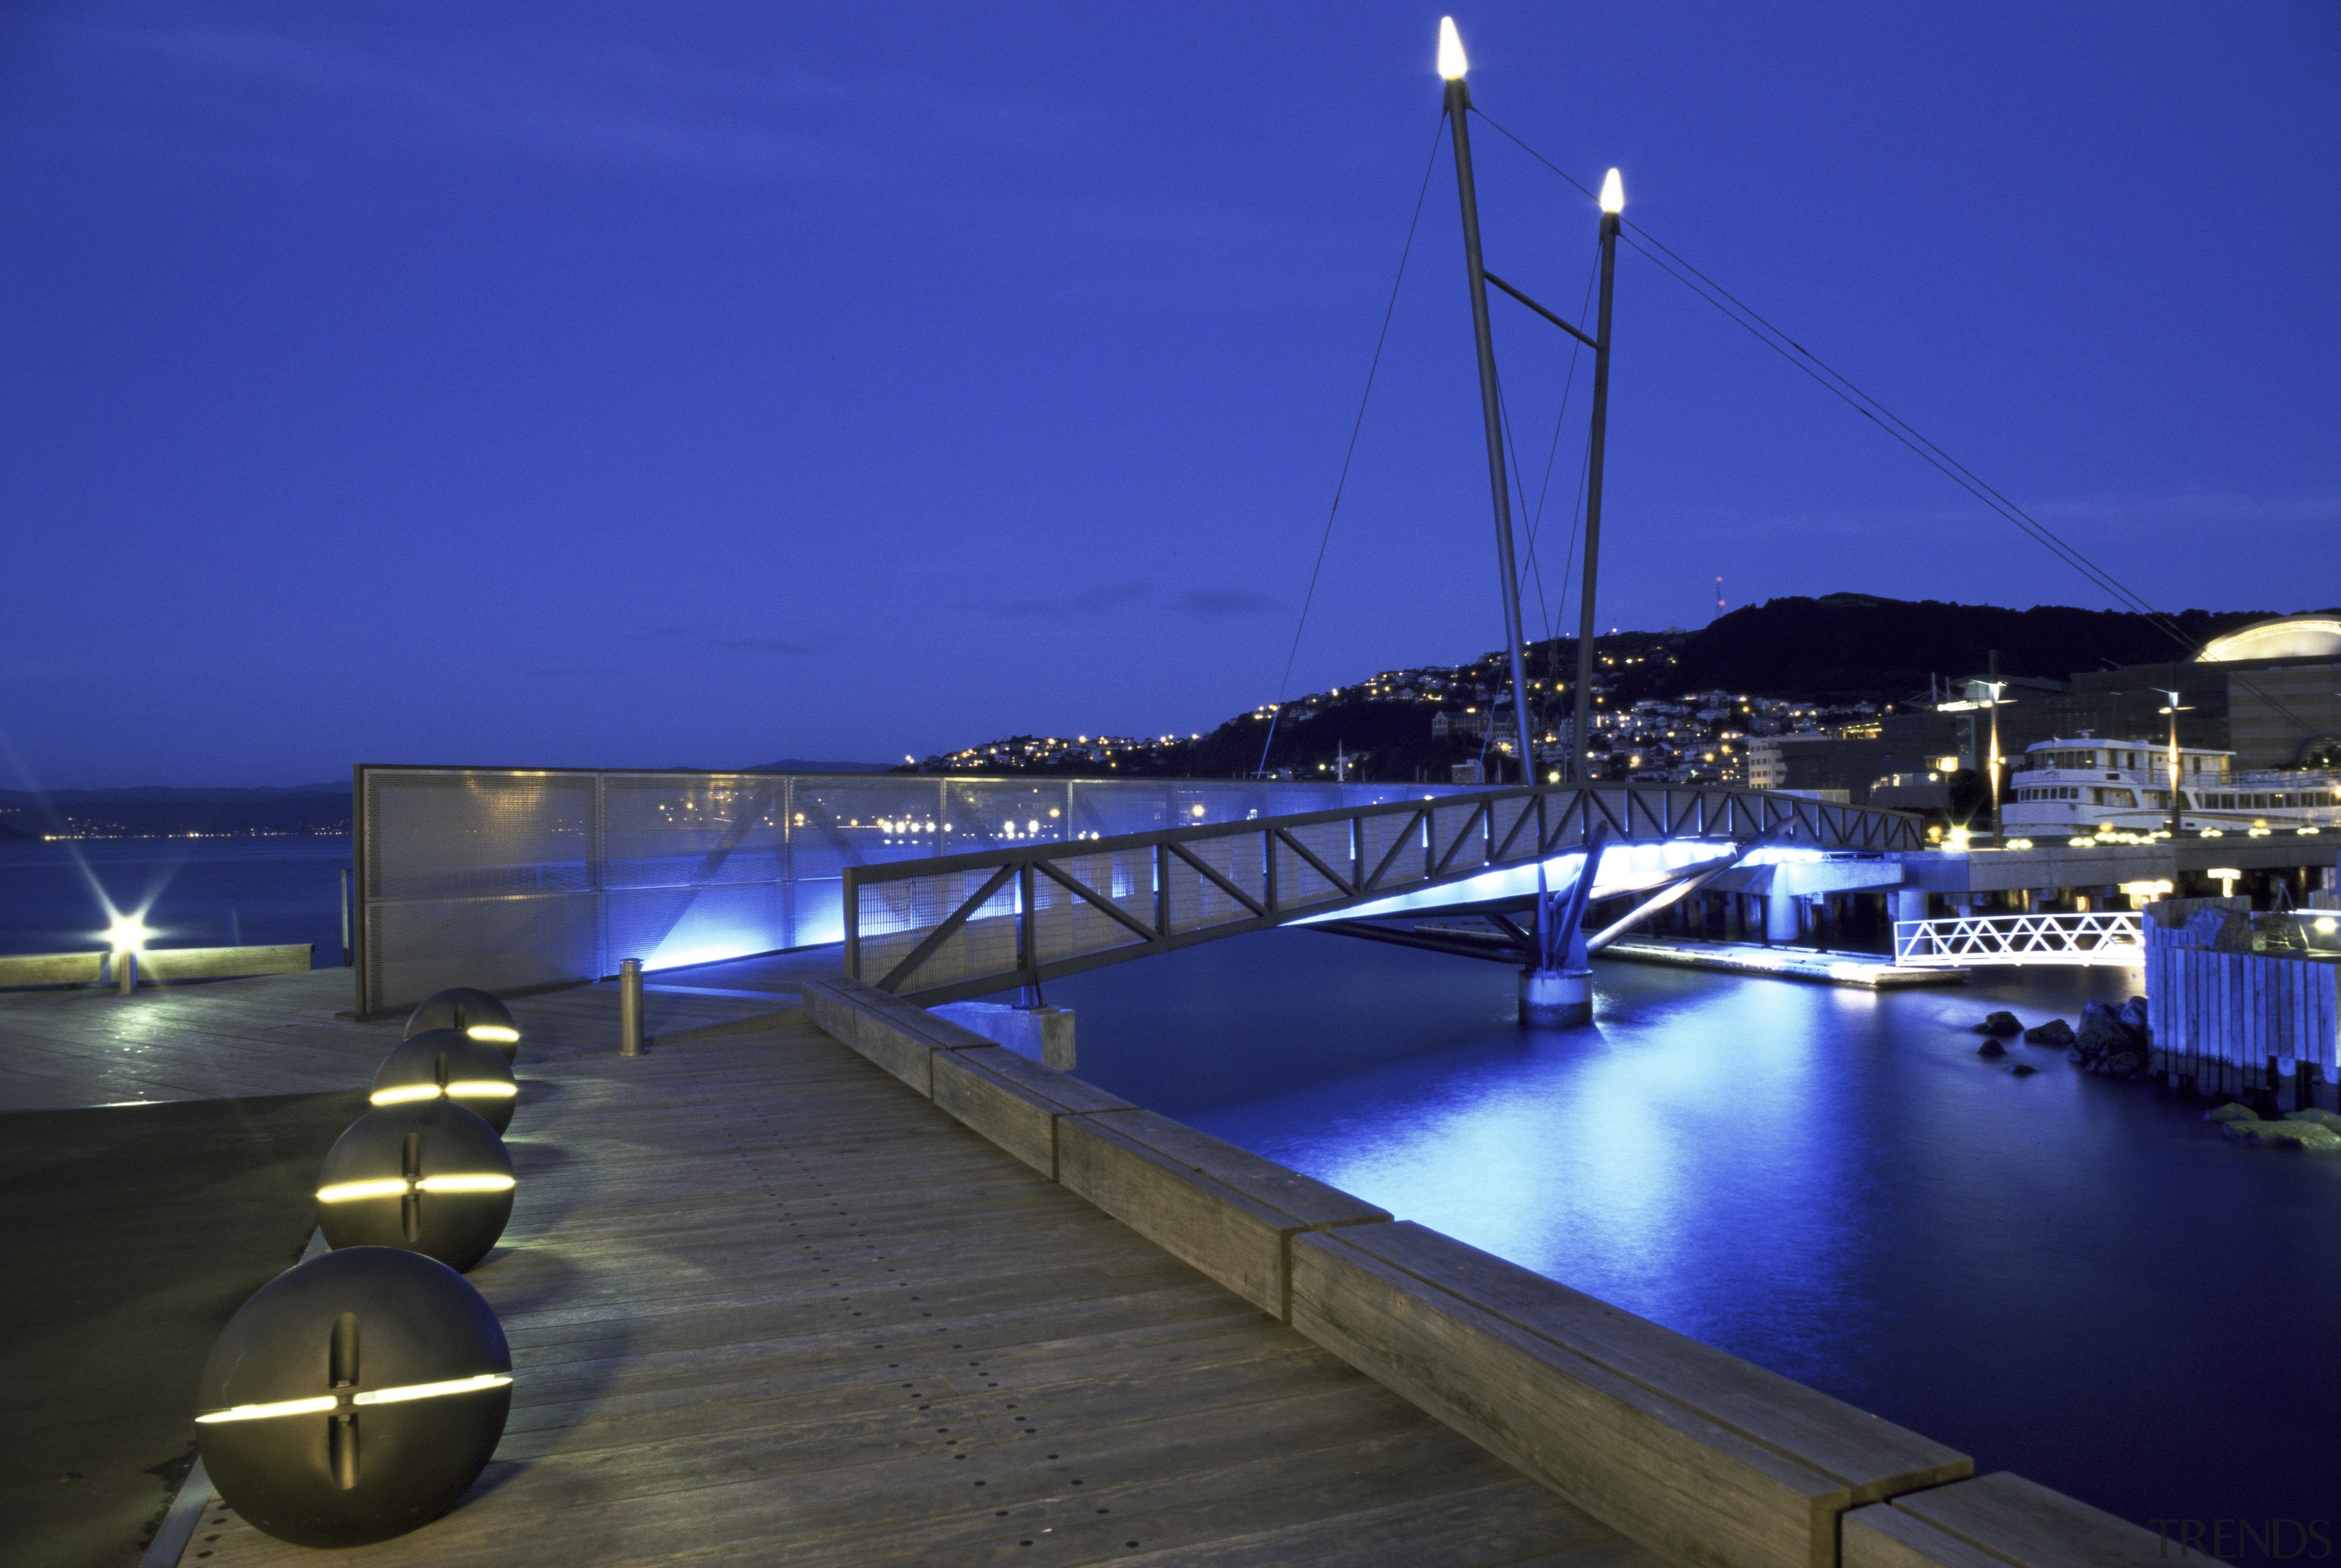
x: 704, y: 385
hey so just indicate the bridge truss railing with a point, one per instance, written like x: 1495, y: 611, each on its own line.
x: 969, y: 925
x: 2110, y: 937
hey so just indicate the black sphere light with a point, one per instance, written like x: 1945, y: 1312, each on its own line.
x: 354, y: 1397
x: 475, y: 1013
x: 428, y: 1177
x: 445, y: 1062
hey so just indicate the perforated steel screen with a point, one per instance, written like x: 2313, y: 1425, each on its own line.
x: 511, y: 878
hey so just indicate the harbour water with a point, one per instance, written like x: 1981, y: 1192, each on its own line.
x: 57, y: 896
x: 2067, y: 1276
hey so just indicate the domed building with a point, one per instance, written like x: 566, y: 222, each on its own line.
x: 2284, y: 690
x: 2289, y: 637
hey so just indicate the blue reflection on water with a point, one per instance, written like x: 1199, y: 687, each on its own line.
x: 2062, y: 1275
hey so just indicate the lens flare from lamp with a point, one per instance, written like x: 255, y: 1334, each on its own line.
x: 128, y: 934
x: 1451, y: 63
x: 1613, y: 192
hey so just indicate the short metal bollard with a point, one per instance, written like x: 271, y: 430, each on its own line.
x: 630, y: 1008
x: 125, y: 970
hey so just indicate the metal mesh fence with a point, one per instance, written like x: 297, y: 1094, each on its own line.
x: 510, y: 879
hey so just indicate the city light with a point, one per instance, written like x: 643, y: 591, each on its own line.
x: 1613, y: 194
x: 128, y: 934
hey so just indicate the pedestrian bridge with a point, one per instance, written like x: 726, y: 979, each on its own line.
x: 967, y: 924
x: 941, y: 887
x: 1964, y: 942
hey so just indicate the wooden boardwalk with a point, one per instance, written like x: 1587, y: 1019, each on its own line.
x: 767, y: 1306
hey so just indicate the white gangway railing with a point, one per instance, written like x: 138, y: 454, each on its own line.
x: 1961, y: 941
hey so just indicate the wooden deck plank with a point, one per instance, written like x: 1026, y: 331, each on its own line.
x: 767, y: 1305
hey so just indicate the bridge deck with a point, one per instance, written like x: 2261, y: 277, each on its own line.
x: 767, y: 1306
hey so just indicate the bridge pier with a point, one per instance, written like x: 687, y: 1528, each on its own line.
x: 1780, y: 921
x: 1909, y: 903
x: 1555, y: 998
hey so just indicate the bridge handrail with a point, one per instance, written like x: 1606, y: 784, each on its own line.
x: 2092, y: 935
x: 1021, y: 913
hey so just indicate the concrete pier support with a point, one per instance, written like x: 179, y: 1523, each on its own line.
x: 1780, y: 922
x: 1909, y: 903
x: 1555, y: 998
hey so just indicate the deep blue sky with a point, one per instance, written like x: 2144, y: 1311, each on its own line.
x: 652, y: 384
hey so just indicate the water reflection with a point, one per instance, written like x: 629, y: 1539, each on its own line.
x: 2063, y: 1275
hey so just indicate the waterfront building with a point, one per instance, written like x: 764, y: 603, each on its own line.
x: 2270, y: 694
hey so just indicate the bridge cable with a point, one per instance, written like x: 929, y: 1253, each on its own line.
x: 1750, y: 320
x: 1530, y: 567
x: 1569, y: 557
x: 1276, y: 713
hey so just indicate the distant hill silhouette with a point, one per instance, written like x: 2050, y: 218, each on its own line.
x: 799, y: 765
x: 1847, y: 646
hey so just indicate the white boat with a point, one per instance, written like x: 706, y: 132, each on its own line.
x: 2065, y: 788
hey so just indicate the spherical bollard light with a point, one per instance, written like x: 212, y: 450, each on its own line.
x: 428, y: 1177
x: 443, y: 1062
x: 354, y: 1397
x: 477, y: 1013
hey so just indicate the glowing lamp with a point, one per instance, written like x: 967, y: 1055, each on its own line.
x: 127, y: 933
x: 426, y: 1175
x: 1613, y: 192
x: 441, y: 1062
x: 354, y: 1398
x: 1451, y: 63
x: 475, y: 1013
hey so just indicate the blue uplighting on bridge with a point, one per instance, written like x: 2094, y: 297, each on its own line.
x: 1625, y: 868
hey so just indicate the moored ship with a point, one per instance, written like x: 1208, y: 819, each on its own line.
x: 2068, y: 787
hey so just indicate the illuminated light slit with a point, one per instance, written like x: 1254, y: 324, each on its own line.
x: 501, y: 1034
x: 403, y: 1093
x: 482, y: 1183
x: 324, y: 1404
x: 351, y: 1191
x: 432, y: 1391
x: 398, y: 1186
x: 317, y: 1406
x: 481, y: 1089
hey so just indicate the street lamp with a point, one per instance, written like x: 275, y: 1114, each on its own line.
x: 128, y: 936
x: 2173, y: 710
x: 1613, y: 205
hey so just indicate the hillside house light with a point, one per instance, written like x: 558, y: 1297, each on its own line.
x: 354, y: 1397
x: 477, y: 1013
x: 427, y: 1177
x: 443, y: 1062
